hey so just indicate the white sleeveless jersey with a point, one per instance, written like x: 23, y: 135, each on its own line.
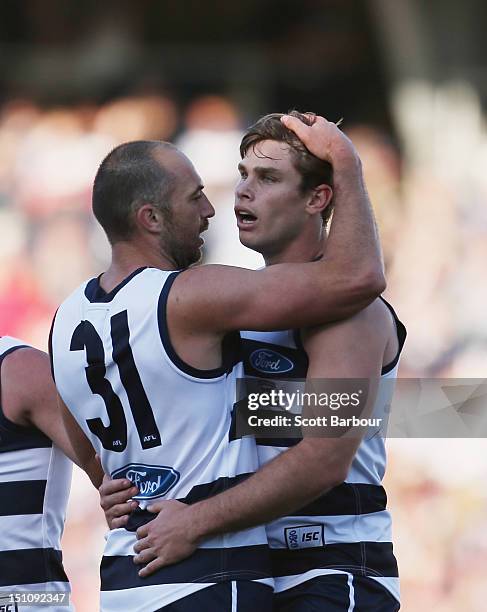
x: 35, y: 478
x: 160, y: 423
x: 348, y: 529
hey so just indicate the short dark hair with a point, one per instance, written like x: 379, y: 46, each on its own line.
x: 128, y: 177
x: 313, y: 170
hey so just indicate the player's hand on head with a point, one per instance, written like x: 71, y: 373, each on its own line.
x: 167, y: 539
x: 115, y: 500
x: 322, y: 138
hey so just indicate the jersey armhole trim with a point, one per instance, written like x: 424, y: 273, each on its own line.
x: 401, y: 337
x: 49, y: 346
x: 166, y: 340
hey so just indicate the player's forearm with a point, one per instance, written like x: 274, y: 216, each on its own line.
x: 289, y: 482
x: 95, y: 471
x: 352, y: 251
x: 353, y: 248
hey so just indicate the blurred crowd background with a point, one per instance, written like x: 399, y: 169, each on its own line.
x: 408, y: 78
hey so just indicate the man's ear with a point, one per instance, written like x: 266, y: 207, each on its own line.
x: 320, y: 198
x: 150, y: 218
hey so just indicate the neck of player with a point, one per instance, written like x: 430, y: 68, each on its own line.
x: 302, y: 250
x: 130, y: 256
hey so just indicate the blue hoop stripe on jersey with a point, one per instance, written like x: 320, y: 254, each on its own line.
x: 363, y: 558
x: 139, y: 517
x: 337, y: 593
x: 26, y: 497
x: 241, y: 596
x: 281, y: 442
x: 15, y: 437
x: 204, y: 565
x: 330, y: 593
x: 347, y: 498
x: 203, y: 491
x: 230, y: 343
x: 31, y: 566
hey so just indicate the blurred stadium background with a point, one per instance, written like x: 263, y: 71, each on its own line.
x: 409, y: 79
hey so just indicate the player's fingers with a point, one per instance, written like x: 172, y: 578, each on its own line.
x: 109, y: 502
x: 122, y: 509
x: 152, y: 567
x: 296, y: 125
x: 146, y: 556
x: 142, y: 532
x: 120, y: 498
x: 117, y: 484
x: 142, y: 544
x: 114, y: 485
x: 156, y: 507
x: 117, y: 523
x: 311, y: 117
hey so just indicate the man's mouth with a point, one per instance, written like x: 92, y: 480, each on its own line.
x: 245, y: 218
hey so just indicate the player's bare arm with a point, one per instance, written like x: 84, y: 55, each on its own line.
x: 83, y: 452
x: 29, y: 398
x: 209, y: 301
x: 299, y: 475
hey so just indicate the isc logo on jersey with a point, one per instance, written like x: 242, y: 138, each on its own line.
x: 270, y: 362
x: 151, y: 480
x: 307, y: 536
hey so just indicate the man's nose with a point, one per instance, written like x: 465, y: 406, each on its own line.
x: 208, y: 210
x: 243, y: 190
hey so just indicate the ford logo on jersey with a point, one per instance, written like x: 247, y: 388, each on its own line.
x: 151, y: 480
x: 270, y: 362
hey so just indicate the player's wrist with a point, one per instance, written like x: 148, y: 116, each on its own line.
x: 197, y: 527
x: 348, y: 176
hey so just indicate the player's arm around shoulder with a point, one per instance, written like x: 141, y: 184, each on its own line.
x: 219, y: 299
x: 32, y: 399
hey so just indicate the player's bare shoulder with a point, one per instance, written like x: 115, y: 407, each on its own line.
x: 26, y: 380
x: 379, y: 319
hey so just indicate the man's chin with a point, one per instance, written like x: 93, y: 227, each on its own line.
x: 249, y: 242
x: 188, y: 259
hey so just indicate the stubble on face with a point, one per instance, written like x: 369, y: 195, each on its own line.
x: 179, y: 239
x: 176, y: 243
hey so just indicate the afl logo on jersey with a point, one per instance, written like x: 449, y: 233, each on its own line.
x: 270, y: 362
x: 151, y: 480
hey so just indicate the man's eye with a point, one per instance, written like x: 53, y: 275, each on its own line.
x: 269, y: 179
x: 243, y: 175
